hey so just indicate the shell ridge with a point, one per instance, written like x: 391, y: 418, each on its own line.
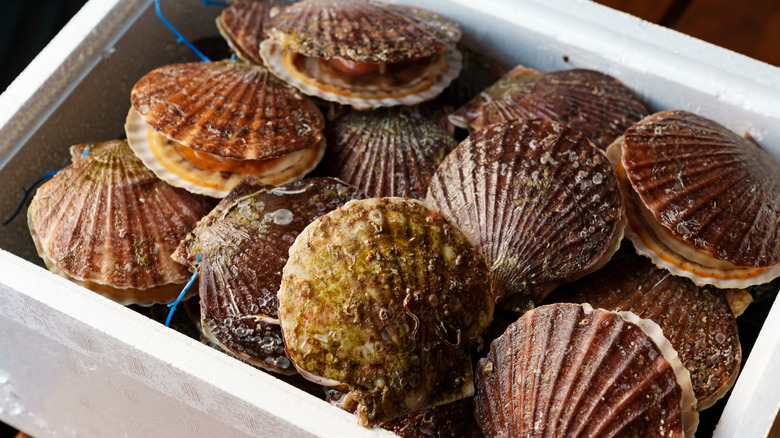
x: 77, y: 228
x: 553, y: 405
x: 541, y: 335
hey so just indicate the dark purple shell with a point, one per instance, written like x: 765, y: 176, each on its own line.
x: 386, y: 152
x: 538, y: 200
x: 597, y: 105
x: 243, y: 247
x: 478, y: 73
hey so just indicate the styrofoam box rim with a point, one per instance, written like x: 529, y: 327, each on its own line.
x: 205, y: 381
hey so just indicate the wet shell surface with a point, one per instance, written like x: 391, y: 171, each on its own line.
x: 453, y: 420
x: 386, y: 152
x: 242, y: 24
x: 538, y: 200
x: 362, y: 31
x: 698, y: 321
x: 569, y: 370
x: 230, y: 110
x: 703, y: 202
x: 109, y: 224
x: 243, y: 245
x: 382, y: 299
x: 597, y: 105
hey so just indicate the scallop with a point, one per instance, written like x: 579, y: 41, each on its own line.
x: 243, y: 246
x: 702, y: 202
x: 538, y: 200
x: 698, y: 321
x: 242, y: 24
x: 597, y: 105
x: 386, y: 152
x: 570, y: 370
x: 109, y: 224
x: 382, y: 299
x: 363, y: 53
x: 205, y: 126
x: 451, y: 420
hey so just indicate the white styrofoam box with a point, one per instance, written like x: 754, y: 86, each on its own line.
x: 75, y: 364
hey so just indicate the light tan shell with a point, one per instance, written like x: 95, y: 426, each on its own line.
x: 538, y: 200
x: 570, y: 370
x: 108, y: 223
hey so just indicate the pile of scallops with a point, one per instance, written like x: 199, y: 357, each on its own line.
x: 430, y: 286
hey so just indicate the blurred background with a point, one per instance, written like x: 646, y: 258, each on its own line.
x: 749, y: 27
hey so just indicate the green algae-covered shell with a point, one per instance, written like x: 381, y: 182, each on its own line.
x: 382, y: 298
x: 243, y: 245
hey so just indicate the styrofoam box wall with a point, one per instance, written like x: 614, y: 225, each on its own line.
x: 75, y: 364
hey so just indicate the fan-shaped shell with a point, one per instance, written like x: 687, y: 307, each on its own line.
x: 362, y: 31
x: 696, y: 320
x: 569, y: 370
x: 386, y: 152
x: 712, y: 190
x: 597, y: 105
x: 243, y: 245
x: 231, y: 110
x: 383, y: 298
x: 538, y: 200
x: 108, y: 223
x: 242, y: 24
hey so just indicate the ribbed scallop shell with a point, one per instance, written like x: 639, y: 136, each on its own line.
x: 243, y: 245
x: 538, y: 200
x: 242, y: 24
x: 697, y: 320
x: 569, y: 370
x: 718, y: 192
x: 362, y: 31
x: 383, y: 298
x: 108, y: 223
x: 597, y: 105
x: 233, y: 110
x: 386, y: 152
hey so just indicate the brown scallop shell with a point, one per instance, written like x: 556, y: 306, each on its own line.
x: 709, y: 187
x: 698, y: 321
x: 228, y: 109
x: 538, y: 200
x: 108, y: 223
x: 243, y: 245
x: 386, y: 152
x: 362, y: 31
x: 242, y: 24
x: 453, y: 420
x: 597, y: 105
x: 569, y: 370
x: 383, y: 298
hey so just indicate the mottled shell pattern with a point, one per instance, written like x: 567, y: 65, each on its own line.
x: 597, y: 105
x: 107, y: 223
x: 412, y: 51
x: 243, y: 245
x: 698, y: 321
x: 539, y: 201
x: 386, y: 152
x: 570, y: 370
x: 704, y: 202
x: 242, y: 24
x: 382, y: 298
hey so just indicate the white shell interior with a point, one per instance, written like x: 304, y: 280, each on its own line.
x: 70, y: 359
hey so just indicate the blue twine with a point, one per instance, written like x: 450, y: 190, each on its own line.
x: 181, y: 38
x: 181, y: 295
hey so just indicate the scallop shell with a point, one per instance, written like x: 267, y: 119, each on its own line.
x: 386, y: 152
x: 231, y: 110
x: 243, y: 27
x: 569, y: 370
x: 538, y: 200
x: 705, y: 203
x: 597, y: 105
x: 698, y: 321
x: 447, y: 421
x: 362, y: 31
x: 107, y: 223
x: 243, y: 246
x: 383, y: 298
